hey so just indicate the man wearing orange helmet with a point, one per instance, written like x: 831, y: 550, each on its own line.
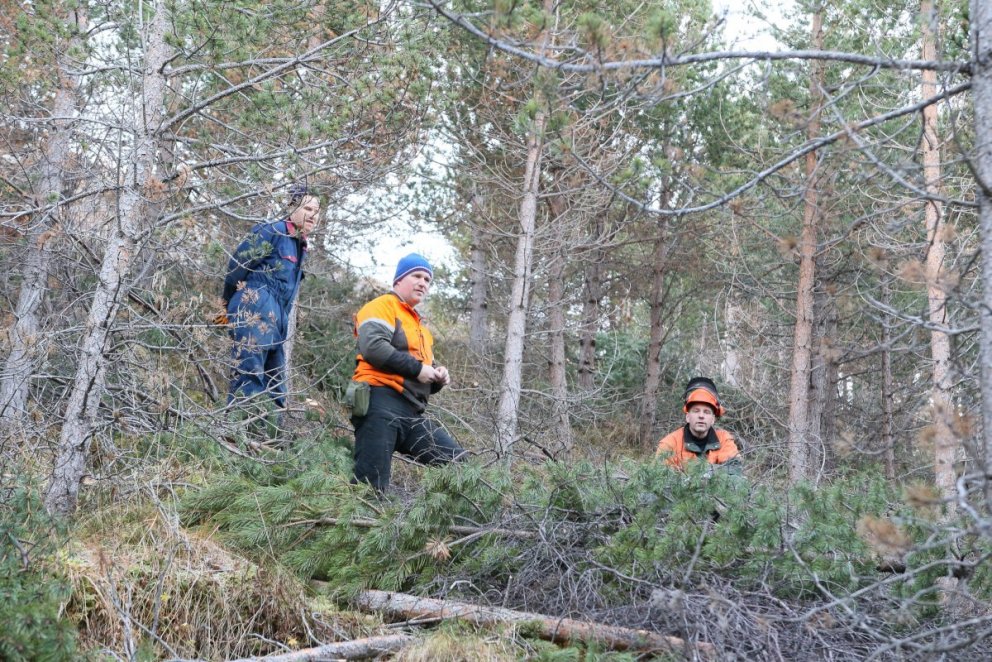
x: 698, y: 438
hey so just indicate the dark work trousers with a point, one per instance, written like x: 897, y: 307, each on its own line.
x: 393, y: 424
x: 258, y: 328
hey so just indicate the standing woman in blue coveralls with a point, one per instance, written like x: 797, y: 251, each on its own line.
x: 263, y: 276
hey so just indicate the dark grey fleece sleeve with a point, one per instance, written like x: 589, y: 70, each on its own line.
x: 375, y: 344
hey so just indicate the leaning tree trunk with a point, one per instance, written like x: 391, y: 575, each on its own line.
x: 516, y: 323
x: 88, y: 385
x: 981, y: 87
x: 25, y: 337
x: 800, y: 466
x: 945, y: 444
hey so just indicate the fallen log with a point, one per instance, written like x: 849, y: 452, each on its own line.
x: 358, y: 649
x: 559, y: 630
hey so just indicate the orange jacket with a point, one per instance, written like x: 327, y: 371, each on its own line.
x: 719, y: 448
x: 393, y: 346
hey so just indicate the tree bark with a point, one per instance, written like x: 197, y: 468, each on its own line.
x: 559, y: 630
x: 823, y: 382
x: 507, y: 409
x: 294, y: 316
x: 730, y: 366
x: 945, y: 445
x: 88, y: 385
x: 663, y: 245
x: 288, y: 346
x: 800, y: 466
x: 358, y: 649
x: 26, y: 340
x: 888, y: 388
x: 478, y: 333
x: 592, y: 295
x: 516, y: 323
x: 981, y: 87
x: 561, y: 427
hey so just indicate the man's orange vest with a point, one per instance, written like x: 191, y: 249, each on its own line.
x: 677, y: 452
x: 399, y: 325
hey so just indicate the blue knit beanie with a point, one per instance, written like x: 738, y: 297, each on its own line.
x: 409, y: 264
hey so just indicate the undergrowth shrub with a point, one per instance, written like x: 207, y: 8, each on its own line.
x: 936, y: 548
x: 603, y: 527
x: 31, y: 591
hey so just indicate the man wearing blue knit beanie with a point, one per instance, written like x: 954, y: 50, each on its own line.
x: 395, y: 373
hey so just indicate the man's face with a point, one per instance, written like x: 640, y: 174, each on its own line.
x: 700, y: 419
x: 413, y: 287
x: 305, y: 216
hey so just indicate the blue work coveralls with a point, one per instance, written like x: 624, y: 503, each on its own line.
x: 263, y: 277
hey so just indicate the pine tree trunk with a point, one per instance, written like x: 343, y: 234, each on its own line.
x: 87, y: 390
x: 516, y: 323
x: 663, y: 245
x: 800, y: 465
x: 888, y: 423
x: 25, y: 337
x: 945, y: 444
x: 557, y: 374
x: 507, y: 409
x: 291, y: 328
x: 317, y: 13
x: 981, y: 88
x: 730, y: 366
x: 592, y: 295
x: 478, y: 333
x: 823, y: 382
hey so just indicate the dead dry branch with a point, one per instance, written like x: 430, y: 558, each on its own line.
x: 358, y: 649
x: 559, y: 630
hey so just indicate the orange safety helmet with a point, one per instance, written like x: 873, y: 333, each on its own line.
x: 702, y: 390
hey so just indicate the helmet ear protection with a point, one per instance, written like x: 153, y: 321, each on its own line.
x: 702, y: 390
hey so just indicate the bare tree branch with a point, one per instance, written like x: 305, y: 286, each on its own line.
x: 667, y: 60
x: 795, y: 155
